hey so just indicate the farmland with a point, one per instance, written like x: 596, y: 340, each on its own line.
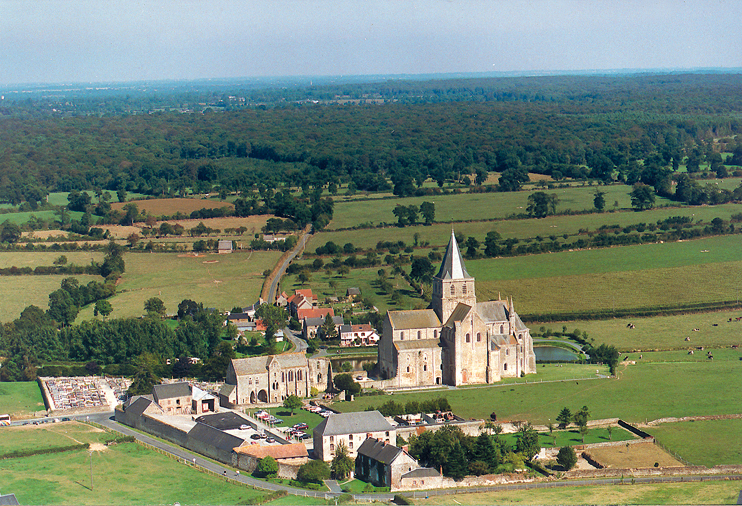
x: 168, y: 207
x: 22, y: 398
x: 703, y: 442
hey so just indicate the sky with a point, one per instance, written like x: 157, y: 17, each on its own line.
x: 71, y: 41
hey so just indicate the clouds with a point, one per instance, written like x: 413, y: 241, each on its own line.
x: 81, y: 40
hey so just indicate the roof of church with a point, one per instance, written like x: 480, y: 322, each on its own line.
x: 417, y: 344
x: 414, y: 319
x: 519, y: 325
x: 492, y: 311
x: 458, y: 314
x: 258, y: 365
x: 452, y: 266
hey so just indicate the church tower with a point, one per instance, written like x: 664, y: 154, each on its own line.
x: 452, y: 285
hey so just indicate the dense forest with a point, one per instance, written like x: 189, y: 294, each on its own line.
x: 604, y: 128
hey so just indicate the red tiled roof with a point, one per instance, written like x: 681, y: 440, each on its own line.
x: 315, y: 312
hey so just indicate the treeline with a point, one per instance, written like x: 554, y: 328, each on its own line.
x: 592, y: 127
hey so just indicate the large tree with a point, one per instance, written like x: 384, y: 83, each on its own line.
x: 566, y: 458
x: 542, y: 204
x: 642, y: 197
x: 342, y: 464
x: 292, y: 403
x: 527, y: 441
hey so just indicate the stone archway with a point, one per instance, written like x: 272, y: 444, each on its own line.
x: 263, y: 396
x: 253, y: 397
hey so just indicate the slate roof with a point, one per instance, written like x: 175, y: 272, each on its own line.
x: 421, y: 472
x: 417, y: 344
x: 353, y: 290
x: 259, y: 365
x: 319, y: 321
x: 289, y: 451
x: 138, y: 405
x: 353, y: 423
x: 414, y: 319
x: 215, y: 437
x: 452, y: 266
x: 379, y: 451
x: 458, y: 314
x: 9, y: 500
x: 226, y: 420
x: 492, y: 311
x: 227, y: 389
x: 238, y: 316
x: 170, y: 390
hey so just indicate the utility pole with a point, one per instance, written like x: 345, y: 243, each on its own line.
x: 91, y: 471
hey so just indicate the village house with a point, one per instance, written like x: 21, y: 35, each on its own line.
x: 352, y: 293
x: 350, y: 429
x: 224, y: 246
x: 183, y: 399
x: 311, y: 326
x: 358, y: 335
x: 383, y: 464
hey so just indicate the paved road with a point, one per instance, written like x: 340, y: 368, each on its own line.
x: 282, y: 269
x: 300, y: 344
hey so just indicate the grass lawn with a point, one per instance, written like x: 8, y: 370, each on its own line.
x: 662, y: 332
x: 572, y: 437
x: 54, y: 435
x: 219, y: 281
x: 703, y: 442
x: 710, y: 492
x: 46, y: 258
x: 23, y: 397
x: 300, y: 415
x: 645, y: 391
x: 122, y: 474
x: 360, y: 487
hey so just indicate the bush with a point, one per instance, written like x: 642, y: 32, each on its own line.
x: 567, y: 458
x: 400, y: 499
x: 314, y: 471
x: 267, y: 467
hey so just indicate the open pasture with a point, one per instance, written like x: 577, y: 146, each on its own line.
x: 572, y: 437
x: 168, y: 207
x: 703, y: 442
x: 662, y: 332
x: 524, y: 229
x: 20, y: 398
x: 643, y: 392
x: 121, y: 474
x: 34, y: 259
x: 474, y: 206
x: 48, y: 216
x: 709, y: 492
x: 219, y: 281
x: 50, y: 435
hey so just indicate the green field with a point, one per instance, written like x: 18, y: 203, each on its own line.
x: 18, y: 292
x: 645, y: 391
x: 300, y: 415
x: 475, y: 206
x: 46, y: 258
x: 703, y: 442
x: 523, y: 229
x: 50, y: 435
x: 710, y: 492
x: 572, y: 437
x: 219, y: 281
x: 661, y: 332
x: 122, y: 474
x: 21, y: 398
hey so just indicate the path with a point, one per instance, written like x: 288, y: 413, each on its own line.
x: 300, y: 344
x: 282, y: 268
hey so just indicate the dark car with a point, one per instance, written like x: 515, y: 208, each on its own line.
x: 255, y: 436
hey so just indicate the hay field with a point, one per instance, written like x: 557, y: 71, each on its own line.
x: 46, y: 258
x: 636, y: 456
x: 168, y: 207
x: 18, y: 292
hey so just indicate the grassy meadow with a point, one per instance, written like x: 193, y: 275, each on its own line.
x: 21, y: 398
x: 645, y: 391
x: 703, y: 442
x: 220, y: 281
x: 19, y: 292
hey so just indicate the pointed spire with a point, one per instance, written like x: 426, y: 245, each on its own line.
x: 452, y: 266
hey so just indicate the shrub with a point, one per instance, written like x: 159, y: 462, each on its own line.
x: 314, y: 471
x: 567, y: 458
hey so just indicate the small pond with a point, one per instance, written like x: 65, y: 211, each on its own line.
x: 552, y: 353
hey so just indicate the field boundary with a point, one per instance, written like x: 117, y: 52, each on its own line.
x: 608, y: 314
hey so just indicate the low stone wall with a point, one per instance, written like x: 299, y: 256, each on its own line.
x: 654, y: 471
x: 486, y: 480
x: 287, y: 469
x: 691, y: 419
x: 470, y: 428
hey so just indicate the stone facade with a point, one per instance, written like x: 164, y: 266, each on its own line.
x: 272, y: 378
x: 351, y: 430
x: 457, y: 341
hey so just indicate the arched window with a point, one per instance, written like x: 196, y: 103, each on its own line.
x: 408, y: 368
x: 291, y: 375
x: 468, y: 338
x: 505, y: 367
x: 453, y: 290
x: 435, y: 334
x: 419, y: 334
x: 502, y: 329
x: 479, y: 337
x: 507, y: 352
x: 283, y: 377
x: 299, y: 375
x: 425, y: 367
x: 401, y: 336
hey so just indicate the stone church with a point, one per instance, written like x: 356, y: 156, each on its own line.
x: 457, y: 341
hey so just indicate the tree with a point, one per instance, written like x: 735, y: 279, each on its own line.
x: 187, y: 307
x: 542, y: 204
x: 132, y: 239
x: 599, y: 200
x: 303, y: 278
x: 512, y: 179
x: 10, y: 233
x: 427, y: 209
x: 328, y: 330
x: 642, y: 197
x: 145, y: 378
x: 527, y: 441
x: 62, y: 307
x: 457, y: 465
x: 121, y: 195
x: 131, y: 211
x: 314, y: 471
x: 154, y: 307
x: 471, y: 247
x: 267, y: 467
x: 422, y: 269
x: 566, y: 458
x: 342, y: 464
x: 486, y: 451
x: 564, y: 418
x: 345, y: 382
x: 292, y: 403
x: 102, y: 307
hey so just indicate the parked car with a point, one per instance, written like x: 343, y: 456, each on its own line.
x: 255, y: 436
x: 301, y: 426
x: 244, y: 427
x: 270, y: 440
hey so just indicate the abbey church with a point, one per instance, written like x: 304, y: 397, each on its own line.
x: 457, y: 341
